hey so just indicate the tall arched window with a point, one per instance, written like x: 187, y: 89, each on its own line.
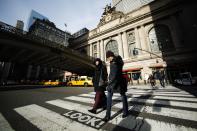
x: 112, y: 46
x: 160, y: 38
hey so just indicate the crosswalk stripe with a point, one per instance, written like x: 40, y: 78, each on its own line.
x: 115, y: 95
x: 150, y: 101
x: 78, y: 107
x: 163, y: 102
x: 154, y: 97
x: 139, y: 123
x: 181, y: 92
x: 154, y: 94
x: 4, y: 125
x: 176, y: 113
x: 48, y: 120
x: 160, y: 94
x: 175, y: 98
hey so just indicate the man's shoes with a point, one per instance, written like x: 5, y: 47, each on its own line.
x: 123, y: 116
x: 92, y: 111
x: 106, y: 119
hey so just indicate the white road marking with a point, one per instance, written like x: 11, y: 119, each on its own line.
x: 47, y: 120
x: 141, y: 124
x: 175, y: 98
x: 176, y: 113
x: 78, y: 107
x: 163, y: 102
x: 4, y: 125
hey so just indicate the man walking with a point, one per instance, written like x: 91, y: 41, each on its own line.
x: 116, y: 82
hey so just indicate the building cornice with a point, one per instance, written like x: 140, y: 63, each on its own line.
x: 137, y: 18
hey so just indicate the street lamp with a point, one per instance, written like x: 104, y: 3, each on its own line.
x: 135, y: 52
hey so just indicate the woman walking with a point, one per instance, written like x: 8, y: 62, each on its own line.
x: 99, y: 83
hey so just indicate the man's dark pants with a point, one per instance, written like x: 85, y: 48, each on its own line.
x: 109, y: 103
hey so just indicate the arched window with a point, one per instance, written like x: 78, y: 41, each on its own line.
x: 160, y: 38
x: 112, y: 46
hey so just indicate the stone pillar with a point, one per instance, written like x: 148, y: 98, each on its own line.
x: 102, y: 50
x: 137, y: 40
x: 98, y: 49
x: 90, y: 49
x: 29, y: 71
x: 6, y: 71
x: 120, y: 49
x: 37, y: 72
x: 125, y: 45
x: 176, y: 33
x: 143, y: 40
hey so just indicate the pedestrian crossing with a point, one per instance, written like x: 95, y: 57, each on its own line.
x: 149, y: 110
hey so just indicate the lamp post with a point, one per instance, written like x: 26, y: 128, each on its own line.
x: 135, y: 52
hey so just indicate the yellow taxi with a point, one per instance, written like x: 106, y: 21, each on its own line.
x: 83, y: 81
x: 54, y: 83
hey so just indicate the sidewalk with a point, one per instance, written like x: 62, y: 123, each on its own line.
x: 20, y: 87
x: 190, y: 89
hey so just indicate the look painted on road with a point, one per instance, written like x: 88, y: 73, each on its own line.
x: 88, y: 120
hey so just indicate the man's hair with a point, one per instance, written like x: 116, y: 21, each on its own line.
x: 109, y: 54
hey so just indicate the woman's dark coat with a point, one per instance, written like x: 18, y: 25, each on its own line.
x: 96, y: 78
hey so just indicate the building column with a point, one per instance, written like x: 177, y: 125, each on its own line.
x: 125, y: 45
x: 90, y: 49
x: 120, y: 48
x: 98, y: 49
x: 6, y: 71
x: 137, y: 40
x: 38, y: 72
x: 143, y: 40
x: 176, y: 33
x: 29, y: 71
x: 102, y: 50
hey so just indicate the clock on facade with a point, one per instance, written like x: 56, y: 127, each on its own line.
x: 108, y: 18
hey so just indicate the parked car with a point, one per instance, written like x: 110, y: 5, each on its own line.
x: 185, y: 79
x: 50, y: 82
x: 82, y: 81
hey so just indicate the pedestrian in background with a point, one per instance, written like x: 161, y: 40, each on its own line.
x: 152, y: 80
x: 146, y: 76
x: 99, y: 83
x: 161, y: 78
x: 116, y: 83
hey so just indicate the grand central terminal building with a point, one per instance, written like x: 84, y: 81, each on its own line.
x: 149, y: 35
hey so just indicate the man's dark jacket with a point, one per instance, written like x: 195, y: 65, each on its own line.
x: 117, y: 82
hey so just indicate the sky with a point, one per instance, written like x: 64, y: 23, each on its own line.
x: 76, y: 14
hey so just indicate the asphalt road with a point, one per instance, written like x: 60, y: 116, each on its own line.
x: 66, y: 108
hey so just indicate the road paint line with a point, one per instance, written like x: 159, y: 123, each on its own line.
x: 4, y: 124
x: 47, y: 120
x: 139, y: 123
x: 78, y: 107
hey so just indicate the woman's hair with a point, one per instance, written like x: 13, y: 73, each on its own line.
x: 99, y: 60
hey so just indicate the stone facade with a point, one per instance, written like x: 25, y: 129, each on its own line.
x: 158, y: 27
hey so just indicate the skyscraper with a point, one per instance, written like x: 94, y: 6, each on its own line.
x: 20, y: 24
x: 33, y: 16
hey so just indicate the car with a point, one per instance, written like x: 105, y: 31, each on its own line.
x: 50, y: 82
x: 83, y: 81
x: 185, y: 79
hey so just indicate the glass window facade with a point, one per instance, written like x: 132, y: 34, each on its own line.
x: 112, y: 46
x: 160, y: 38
